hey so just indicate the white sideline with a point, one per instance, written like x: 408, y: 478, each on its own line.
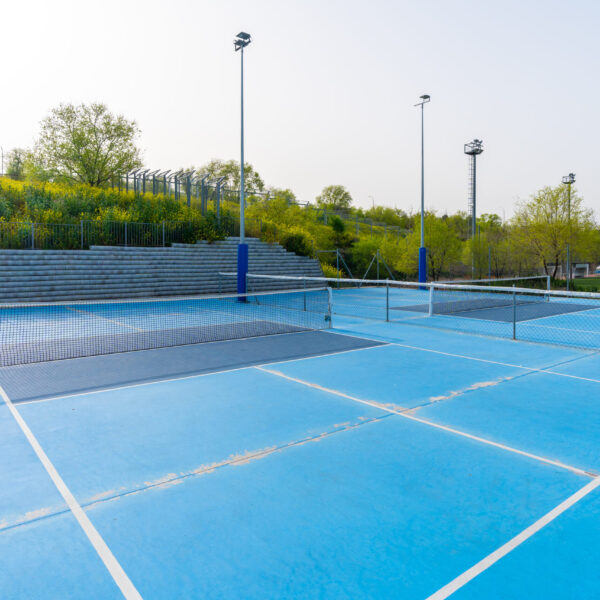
x: 495, y: 556
x: 475, y: 358
x: 110, y: 562
x: 406, y: 415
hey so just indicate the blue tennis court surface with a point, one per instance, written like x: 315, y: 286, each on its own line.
x: 370, y: 460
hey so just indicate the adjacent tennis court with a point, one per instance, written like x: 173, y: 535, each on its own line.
x: 298, y: 445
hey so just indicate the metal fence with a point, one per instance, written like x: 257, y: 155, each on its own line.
x: 201, y: 191
x: 528, y: 314
x: 82, y: 235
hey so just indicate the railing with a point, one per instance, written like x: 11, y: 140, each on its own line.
x: 82, y: 235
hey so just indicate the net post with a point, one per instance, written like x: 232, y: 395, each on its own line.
x: 387, y: 300
x: 304, y: 294
x: 430, y: 311
x: 514, y: 305
x: 242, y: 270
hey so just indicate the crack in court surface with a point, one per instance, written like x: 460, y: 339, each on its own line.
x: 171, y: 479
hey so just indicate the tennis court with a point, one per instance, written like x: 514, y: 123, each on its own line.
x: 298, y: 445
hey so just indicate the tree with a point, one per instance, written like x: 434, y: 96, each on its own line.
x: 442, y: 243
x: 334, y: 197
x: 285, y: 194
x: 230, y: 169
x: 391, y: 216
x: 86, y: 144
x: 16, y: 163
x: 542, y: 225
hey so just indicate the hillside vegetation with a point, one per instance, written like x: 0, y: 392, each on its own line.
x: 526, y: 245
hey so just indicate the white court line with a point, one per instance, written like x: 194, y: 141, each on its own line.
x: 405, y: 415
x: 484, y: 360
x: 198, y: 375
x: 110, y: 562
x: 495, y: 556
x: 555, y: 326
x: 90, y: 314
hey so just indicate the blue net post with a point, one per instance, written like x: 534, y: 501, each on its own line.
x: 242, y: 269
x: 422, y: 265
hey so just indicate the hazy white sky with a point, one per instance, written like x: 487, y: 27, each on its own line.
x: 330, y: 88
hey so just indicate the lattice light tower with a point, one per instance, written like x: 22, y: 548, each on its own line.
x: 473, y: 149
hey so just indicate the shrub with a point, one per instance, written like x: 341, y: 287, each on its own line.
x: 331, y: 271
x: 297, y: 243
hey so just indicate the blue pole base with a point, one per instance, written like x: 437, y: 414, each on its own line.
x: 242, y: 269
x: 422, y: 265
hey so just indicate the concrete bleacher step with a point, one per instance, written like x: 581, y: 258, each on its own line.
x: 121, y: 272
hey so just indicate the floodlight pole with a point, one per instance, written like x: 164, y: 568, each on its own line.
x: 242, y: 186
x: 422, y: 250
x: 240, y: 42
x: 568, y: 180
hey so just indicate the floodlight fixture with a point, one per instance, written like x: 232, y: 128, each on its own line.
x: 474, y: 148
x: 569, y: 179
x: 241, y: 41
x: 425, y: 98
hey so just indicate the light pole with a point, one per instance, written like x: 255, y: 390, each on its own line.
x: 473, y: 150
x: 425, y: 98
x: 240, y: 42
x: 568, y: 180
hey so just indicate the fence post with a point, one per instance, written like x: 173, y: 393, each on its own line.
x: 568, y: 267
x: 548, y: 283
x: 430, y: 311
x: 357, y: 230
x: 489, y: 262
x: 304, y: 294
x: 33, y: 236
x: 125, y: 233
x: 387, y: 300
x: 514, y: 303
x: 81, y: 232
x: 163, y: 233
x: 337, y: 265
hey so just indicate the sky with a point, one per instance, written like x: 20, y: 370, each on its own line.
x: 330, y: 88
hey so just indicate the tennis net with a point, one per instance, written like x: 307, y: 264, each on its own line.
x: 539, y: 282
x: 36, y: 332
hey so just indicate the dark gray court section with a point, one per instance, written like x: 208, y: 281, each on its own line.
x: 504, y: 314
x: 57, y: 378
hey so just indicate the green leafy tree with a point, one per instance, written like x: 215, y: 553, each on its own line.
x: 230, y: 169
x: 85, y: 144
x: 334, y: 197
x: 391, y: 216
x: 442, y: 243
x: 285, y: 194
x: 15, y: 168
x: 543, y: 227
x: 460, y: 222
